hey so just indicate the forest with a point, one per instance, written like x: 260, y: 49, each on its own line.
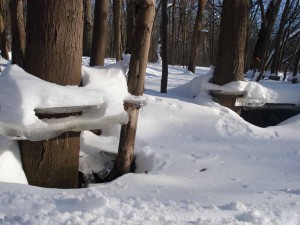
x: 149, y: 112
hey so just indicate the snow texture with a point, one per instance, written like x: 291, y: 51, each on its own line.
x: 197, y: 162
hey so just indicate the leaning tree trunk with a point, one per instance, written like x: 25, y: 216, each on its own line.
x: 54, y: 49
x: 117, y: 7
x: 232, y: 42
x: 196, y: 37
x: 100, y: 32
x: 87, y: 28
x: 136, y: 78
x: 17, y: 32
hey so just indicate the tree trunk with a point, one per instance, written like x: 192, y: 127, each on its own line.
x: 4, y: 49
x: 130, y: 21
x: 117, y: 6
x: 196, y: 37
x: 54, y: 49
x: 17, y: 32
x: 87, y: 28
x: 136, y: 78
x: 164, y: 46
x: 3, y: 33
x: 232, y: 42
x: 100, y: 32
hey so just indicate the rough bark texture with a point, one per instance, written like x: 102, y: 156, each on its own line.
x: 136, y: 78
x: 117, y: 6
x: 17, y: 32
x: 196, y: 36
x: 164, y: 46
x: 54, y: 49
x: 100, y: 32
x: 87, y: 28
x: 40, y: 161
x: 232, y: 42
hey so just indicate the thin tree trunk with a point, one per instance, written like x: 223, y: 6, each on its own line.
x: 87, y: 28
x: 194, y: 53
x: 136, y: 78
x: 100, y: 32
x: 232, y: 42
x: 3, y: 32
x: 117, y: 5
x: 17, y: 31
x: 54, y: 50
x: 130, y: 21
x: 164, y: 47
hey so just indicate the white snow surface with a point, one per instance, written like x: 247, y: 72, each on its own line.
x: 197, y: 162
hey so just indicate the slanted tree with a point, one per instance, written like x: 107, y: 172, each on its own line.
x: 164, y: 47
x: 87, y: 28
x: 53, y: 53
x: 194, y: 52
x: 117, y: 9
x: 100, y: 32
x: 136, y: 78
x: 17, y: 31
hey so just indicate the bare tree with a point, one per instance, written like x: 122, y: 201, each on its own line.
x: 196, y: 37
x: 100, y: 32
x: 164, y: 47
x: 136, y: 78
x: 3, y: 31
x: 117, y: 8
x: 87, y: 28
x: 53, y: 53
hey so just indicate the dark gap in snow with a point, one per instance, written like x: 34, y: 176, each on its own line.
x: 270, y: 114
x: 95, y: 169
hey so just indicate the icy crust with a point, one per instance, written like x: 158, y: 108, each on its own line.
x: 21, y: 93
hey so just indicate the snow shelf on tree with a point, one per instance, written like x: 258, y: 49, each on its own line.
x: 50, y: 127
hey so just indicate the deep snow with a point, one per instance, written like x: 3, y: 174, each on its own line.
x: 197, y: 163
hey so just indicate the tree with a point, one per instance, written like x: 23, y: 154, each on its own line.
x: 3, y: 32
x: 87, y: 28
x: 53, y: 53
x: 100, y: 32
x: 130, y: 23
x: 117, y: 7
x: 196, y: 36
x: 136, y: 78
x: 164, y: 47
x: 17, y: 32
x: 232, y: 42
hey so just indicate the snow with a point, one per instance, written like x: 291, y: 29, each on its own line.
x: 197, y: 162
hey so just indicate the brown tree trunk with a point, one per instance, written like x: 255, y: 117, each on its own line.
x: 130, y: 21
x: 196, y: 37
x: 87, y: 28
x: 232, y: 42
x: 54, y: 49
x: 100, y: 32
x: 136, y: 78
x: 3, y: 33
x: 117, y: 6
x: 17, y: 32
x: 164, y: 46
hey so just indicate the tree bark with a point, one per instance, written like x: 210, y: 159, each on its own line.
x: 164, y: 46
x: 232, y: 42
x: 100, y: 32
x: 18, y: 32
x: 136, y: 78
x: 194, y: 53
x: 130, y: 23
x: 54, y: 50
x: 87, y: 28
x: 3, y: 32
x: 117, y: 6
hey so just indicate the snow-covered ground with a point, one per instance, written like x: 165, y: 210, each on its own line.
x: 197, y: 163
